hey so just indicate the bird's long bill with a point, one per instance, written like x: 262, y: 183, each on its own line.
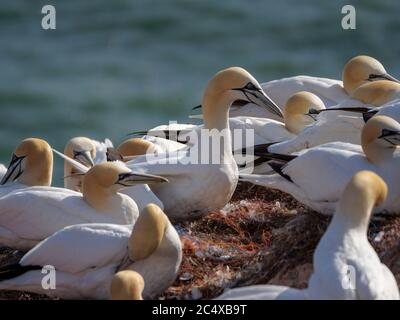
x: 389, y: 77
x: 85, y: 158
x: 14, y: 169
x: 131, y: 179
x: 393, y: 137
x: 313, y: 116
x: 77, y: 165
x: 348, y: 109
x: 197, y: 107
x: 138, y: 133
x: 196, y: 116
x: 262, y: 100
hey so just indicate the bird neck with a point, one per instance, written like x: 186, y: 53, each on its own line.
x: 294, y: 124
x: 72, y: 178
x: 376, y: 93
x: 216, y: 125
x: 377, y: 154
x: 69, y: 169
x: 353, y: 213
x: 99, y: 198
x: 216, y: 110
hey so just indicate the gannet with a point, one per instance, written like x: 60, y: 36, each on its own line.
x: 148, y: 144
x: 127, y: 285
x: 296, y: 117
x: 340, y: 123
x: 31, y: 165
x: 262, y: 130
x: 390, y: 109
x: 358, y: 71
x: 83, y: 150
x: 142, y: 194
x: 31, y: 214
x: 318, y: 175
x: 345, y: 264
x: 266, y: 131
x: 87, y: 256
x: 333, y: 125
x: 197, y: 186
x: 86, y: 151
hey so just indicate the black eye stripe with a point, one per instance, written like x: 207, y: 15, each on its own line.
x: 123, y: 176
x: 373, y: 76
x: 14, y: 165
x: 387, y: 132
x: 16, y: 158
x: 249, y: 87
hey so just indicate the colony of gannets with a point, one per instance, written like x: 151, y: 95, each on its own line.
x: 109, y: 234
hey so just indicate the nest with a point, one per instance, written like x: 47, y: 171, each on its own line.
x: 262, y: 236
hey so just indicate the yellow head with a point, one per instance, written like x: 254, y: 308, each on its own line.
x: 135, y: 147
x: 114, y: 176
x: 297, y: 110
x: 31, y: 163
x: 364, y: 191
x: 147, y: 233
x: 377, y: 93
x: 127, y: 285
x: 380, y: 137
x: 107, y: 178
x: 369, y: 184
x: 228, y: 86
x: 81, y: 149
x: 363, y: 69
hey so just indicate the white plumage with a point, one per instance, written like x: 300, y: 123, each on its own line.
x: 87, y: 256
x: 319, y: 175
x: 345, y: 264
x: 30, y: 215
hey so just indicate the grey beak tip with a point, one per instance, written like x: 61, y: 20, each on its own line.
x: 391, y: 78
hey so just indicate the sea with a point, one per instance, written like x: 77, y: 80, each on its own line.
x: 114, y: 67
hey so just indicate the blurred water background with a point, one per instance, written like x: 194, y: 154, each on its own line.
x: 112, y: 67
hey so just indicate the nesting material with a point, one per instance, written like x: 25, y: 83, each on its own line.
x: 262, y: 236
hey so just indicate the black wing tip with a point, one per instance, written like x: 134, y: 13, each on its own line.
x: 276, y: 156
x: 368, y: 115
x: 14, y: 270
x: 259, y: 148
x: 278, y: 168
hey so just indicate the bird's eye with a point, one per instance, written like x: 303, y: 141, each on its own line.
x: 373, y: 76
x: 76, y: 153
x: 122, y: 176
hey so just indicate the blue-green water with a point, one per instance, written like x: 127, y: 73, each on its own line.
x: 112, y: 67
